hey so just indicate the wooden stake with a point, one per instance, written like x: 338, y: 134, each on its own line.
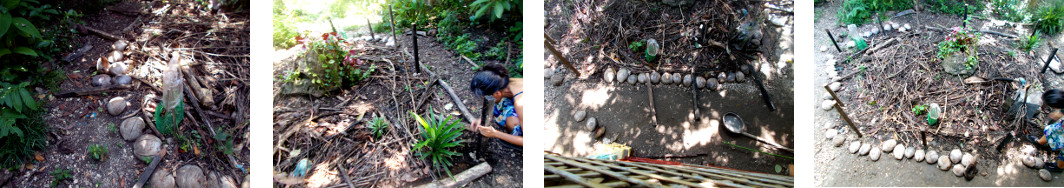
x: 838, y: 107
x: 1049, y: 59
x: 150, y: 169
x: 391, y: 16
x: 371, y: 34
x: 414, y: 35
x: 832, y: 37
x: 550, y: 47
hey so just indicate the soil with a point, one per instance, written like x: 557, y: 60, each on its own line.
x: 836, y: 167
x: 77, y: 122
x: 385, y: 92
x: 624, y: 109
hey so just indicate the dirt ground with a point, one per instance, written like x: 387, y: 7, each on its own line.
x: 77, y: 122
x: 399, y: 166
x: 835, y: 166
x: 623, y: 109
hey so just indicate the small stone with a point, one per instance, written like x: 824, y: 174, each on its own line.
x: 643, y: 78
x: 190, y: 176
x: 745, y: 68
x: 632, y: 79
x: 120, y: 45
x: 609, y: 75
x: 579, y: 115
x: 919, y: 156
x: 722, y: 77
x: 557, y: 80
x: 101, y: 80
x: 162, y: 179
x: 591, y: 123
x: 712, y: 83
x: 599, y: 132
x: 888, y: 145
x: 830, y: 133
x: 687, y: 79
x: 907, y: 26
x: 968, y: 159
x: 874, y: 154
x: 865, y: 148
x: 122, y: 80
x: 909, y: 152
x: 855, y: 146
x: 622, y: 74
x: 1029, y: 150
x: 932, y: 157
x: 827, y: 105
x: 1044, y: 174
x: 943, y: 163
x: 740, y: 77
x: 835, y: 86
x: 655, y: 77
x: 116, y: 106
x: 131, y: 128
x: 676, y: 78
x: 955, y: 155
x: 147, y: 145
x: 887, y: 27
x: 666, y: 78
x: 899, y: 152
x: 700, y: 82
x: 839, y: 140
x: 958, y: 170
x: 1028, y: 161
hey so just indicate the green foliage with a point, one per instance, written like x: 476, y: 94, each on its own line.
x: 1030, y: 42
x: 499, y: 51
x: 960, y: 40
x: 21, y: 129
x: 919, y: 109
x: 1049, y: 19
x: 224, y: 139
x: 1008, y: 10
x: 167, y: 122
x: 98, y: 152
x: 339, y: 67
x: 438, y: 137
x: 284, y: 34
x: 636, y: 46
x: 378, y: 126
x: 60, y: 175
x: 112, y: 127
x: 517, y: 70
x: 495, y: 7
x: 860, y: 11
x: 955, y: 7
x: 146, y: 159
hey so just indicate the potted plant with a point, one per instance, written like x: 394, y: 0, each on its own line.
x: 958, y: 51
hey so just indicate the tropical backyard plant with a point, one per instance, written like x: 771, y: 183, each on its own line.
x: 438, y: 138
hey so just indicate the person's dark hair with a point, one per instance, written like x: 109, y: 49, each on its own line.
x: 1053, y: 98
x: 490, y: 78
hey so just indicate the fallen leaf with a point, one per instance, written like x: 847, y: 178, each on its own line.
x: 38, y: 157
x: 195, y: 150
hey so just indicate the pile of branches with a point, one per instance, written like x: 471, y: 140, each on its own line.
x: 883, y: 84
x: 689, y: 35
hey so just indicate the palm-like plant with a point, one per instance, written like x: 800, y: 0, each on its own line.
x: 439, y: 137
x: 378, y: 126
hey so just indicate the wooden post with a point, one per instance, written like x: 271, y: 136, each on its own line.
x: 653, y: 114
x: 832, y: 37
x: 417, y: 64
x: 461, y: 179
x: 838, y: 108
x: 371, y: 34
x: 550, y: 47
x: 1049, y: 59
x: 391, y: 16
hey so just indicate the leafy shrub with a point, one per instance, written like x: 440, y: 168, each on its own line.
x: 1030, y: 42
x: 97, y: 152
x: 1049, y: 19
x: 860, y: 11
x: 225, y: 140
x: 1009, y: 10
x: 960, y: 40
x: 60, y: 175
x: 378, y: 126
x: 340, y: 68
x: 284, y: 33
x: 437, y: 138
x: 955, y: 7
x: 496, y: 7
x: 21, y: 129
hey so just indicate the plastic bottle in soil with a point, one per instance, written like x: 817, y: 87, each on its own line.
x: 933, y: 114
x: 860, y: 41
x: 172, y: 90
x: 652, y: 50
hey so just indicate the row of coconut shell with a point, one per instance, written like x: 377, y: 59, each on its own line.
x: 961, y: 164
x: 623, y: 75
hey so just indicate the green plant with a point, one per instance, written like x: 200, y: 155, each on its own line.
x: 21, y: 128
x: 636, y: 46
x: 225, y: 140
x: 960, y: 40
x: 1008, y: 10
x: 378, y: 126
x: 112, y: 127
x: 497, y: 8
x: 98, y: 152
x: 167, y: 121
x: 1030, y: 42
x: 919, y: 109
x: 438, y: 136
x: 60, y: 175
x: 955, y: 7
x: 860, y: 11
x: 1049, y: 19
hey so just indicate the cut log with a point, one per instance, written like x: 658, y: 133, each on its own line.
x: 92, y: 91
x: 461, y: 179
x: 97, y: 32
x: 144, y: 176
